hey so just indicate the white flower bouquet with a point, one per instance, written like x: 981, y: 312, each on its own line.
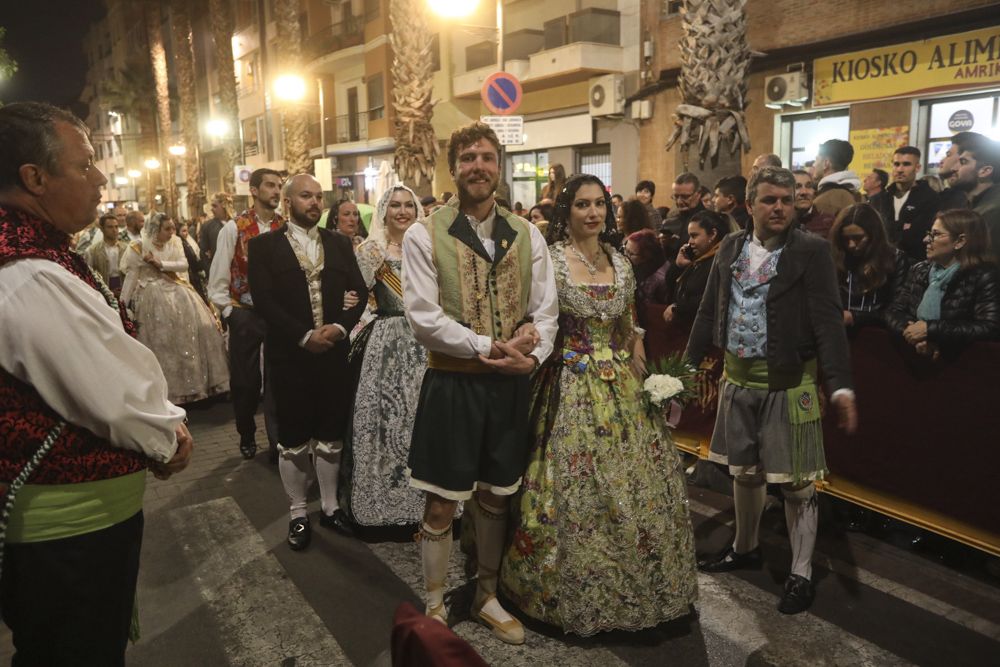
x: 670, y: 385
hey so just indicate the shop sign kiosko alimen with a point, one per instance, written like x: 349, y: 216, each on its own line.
x: 953, y: 62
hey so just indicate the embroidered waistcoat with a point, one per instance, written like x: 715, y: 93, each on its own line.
x: 488, y: 296
x: 25, y: 418
x: 747, y: 331
x: 246, y: 229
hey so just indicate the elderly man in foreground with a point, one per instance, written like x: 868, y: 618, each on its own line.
x: 83, y: 407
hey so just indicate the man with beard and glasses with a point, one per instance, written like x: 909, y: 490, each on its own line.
x: 772, y: 305
x: 480, y: 295
x: 229, y: 291
x: 299, y: 277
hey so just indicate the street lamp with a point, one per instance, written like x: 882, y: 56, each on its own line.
x: 177, y: 150
x: 292, y: 88
x: 453, y: 8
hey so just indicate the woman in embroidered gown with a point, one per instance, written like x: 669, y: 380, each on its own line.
x: 604, y: 539
x: 389, y: 365
x: 172, y: 319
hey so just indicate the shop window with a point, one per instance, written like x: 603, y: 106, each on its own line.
x: 802, y: 134
x: 596, y: 161
x: 528, y: 171
x: 944, y: 118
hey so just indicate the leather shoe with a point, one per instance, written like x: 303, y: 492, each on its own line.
x: 338, y: 521
x: 799, y: 594
x: 299, y: 534
x: 729, y: 560
x: 248, y: 448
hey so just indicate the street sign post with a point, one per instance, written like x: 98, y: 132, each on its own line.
x: 509, y: 129
x: 501, y: 93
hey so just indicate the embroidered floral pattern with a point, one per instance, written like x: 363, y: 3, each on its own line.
x: 25, y: 419
x: 603, y: 539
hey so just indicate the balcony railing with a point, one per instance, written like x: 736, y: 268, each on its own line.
x: 334, y: 38
x: 352, y: 127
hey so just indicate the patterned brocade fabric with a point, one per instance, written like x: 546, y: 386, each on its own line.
x: 392, y: 365
x: 25, y: 419
x: 603, y: 539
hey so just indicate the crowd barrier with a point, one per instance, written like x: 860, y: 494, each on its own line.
x: 928, y: 438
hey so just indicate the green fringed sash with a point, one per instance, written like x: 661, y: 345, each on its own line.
x: 802, y: 396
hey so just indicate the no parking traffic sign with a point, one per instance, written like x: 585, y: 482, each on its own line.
x: 502, y: 93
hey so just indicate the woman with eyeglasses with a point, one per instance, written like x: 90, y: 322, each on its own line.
x: 870, y: 270
x: 953, y: 298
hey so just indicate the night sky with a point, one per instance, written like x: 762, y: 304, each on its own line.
x: 45, y: 37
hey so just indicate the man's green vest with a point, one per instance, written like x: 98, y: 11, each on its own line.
x: 488, y: 296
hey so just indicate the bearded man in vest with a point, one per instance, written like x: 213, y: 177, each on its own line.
x: 480, y: 296
x: 78, y: 430
x: 229, y: 290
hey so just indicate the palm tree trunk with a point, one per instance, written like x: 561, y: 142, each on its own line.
x: 715, y: 59
x: 158, y: 63
x: 221, y: 15
x: 184, y: 59
x: 412, y: 86
x: 295, y: 121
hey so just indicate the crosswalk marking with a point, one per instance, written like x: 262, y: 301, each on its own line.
x: 895, y: 589
x: 263, y: 618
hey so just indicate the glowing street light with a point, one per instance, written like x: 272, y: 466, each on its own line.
x: 290, y: 87
x: 217, y: 127
x: 121, y: 181
x: 453, y: 8
x: 152, y: 163
x: 177, y: 150
x: 134, y: 173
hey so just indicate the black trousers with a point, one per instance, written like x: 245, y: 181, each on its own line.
x: 312, y: 395
x: 246, y: 336
x: 69, y: 601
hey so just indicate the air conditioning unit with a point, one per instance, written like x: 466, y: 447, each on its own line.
x: 790, y: 88
x: 607, y: 95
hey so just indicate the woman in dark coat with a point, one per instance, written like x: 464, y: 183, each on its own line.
x: 870, y: 271
x: 953, y: 298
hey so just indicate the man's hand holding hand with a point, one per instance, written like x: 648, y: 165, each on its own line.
x: 512, y: 363
x: 318, y: 341
x: 528, y: 329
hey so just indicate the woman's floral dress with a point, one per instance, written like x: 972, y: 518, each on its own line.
x: 603, y: 539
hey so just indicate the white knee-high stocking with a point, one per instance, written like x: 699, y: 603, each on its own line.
x: 435, y: 552
x: 293, y: 467
x: 802, y: 516
x: 327, y: 471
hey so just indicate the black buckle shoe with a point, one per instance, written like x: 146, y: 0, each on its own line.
x: 338, y: 521
x: 299, y: 534
x: 798, y: 596
x: 248, y: 448
x: 729, y: 560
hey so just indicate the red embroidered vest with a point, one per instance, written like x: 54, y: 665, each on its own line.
x: 246, y: 229
x: 25, y: 418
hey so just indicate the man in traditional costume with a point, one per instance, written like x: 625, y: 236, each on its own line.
x: 772, y: 306
x: 77, y: 431
x: 474, y: 276
x: 299, y: 276
x: 104, y: 256
x: 229, y: 290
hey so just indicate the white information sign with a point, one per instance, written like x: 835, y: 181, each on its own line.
x: 509, y: 129
x: 323, y: 167
x: 242, y: 179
